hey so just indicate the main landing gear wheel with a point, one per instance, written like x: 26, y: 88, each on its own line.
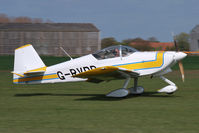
x: 118, y: 93
x: 136, y: 91
x: 123, y: 92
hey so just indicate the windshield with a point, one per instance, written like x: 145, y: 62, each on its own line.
x: 126, y: 50
x: 114, y: 51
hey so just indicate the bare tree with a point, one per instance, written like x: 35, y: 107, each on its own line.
x: 4, y: 18
x: 48, y: 21
x: 141, y: 44
x: 37, y: 20
x: 183, y: 41
x: 109, y: 41
x: 127, y: 41
x: 152, y: 39
x: 22, y: 19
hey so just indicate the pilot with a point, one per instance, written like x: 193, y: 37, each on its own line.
x: 116, y: 52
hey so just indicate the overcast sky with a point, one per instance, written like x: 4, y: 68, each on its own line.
x: 121, y: 19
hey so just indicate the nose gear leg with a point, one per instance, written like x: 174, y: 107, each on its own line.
x: 171, y: 88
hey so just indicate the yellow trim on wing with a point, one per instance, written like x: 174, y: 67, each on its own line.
x: 42, y: 69
x: 23, y: 46
x: 42, y: 77
x: 145, y: 65
x: 97, y: 71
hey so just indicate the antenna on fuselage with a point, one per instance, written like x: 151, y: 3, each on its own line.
x: 66, y: 53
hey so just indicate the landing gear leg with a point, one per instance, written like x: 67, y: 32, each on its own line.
x: 171, y: 88
x: 120, y: 92
x: 136, y: 89
x: 135, y: 82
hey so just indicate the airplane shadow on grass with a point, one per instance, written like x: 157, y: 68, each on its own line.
x: 103, y: 97
x: 97, y: 97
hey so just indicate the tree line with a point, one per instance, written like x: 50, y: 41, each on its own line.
x: 21, y: 19
x: 143, y: 45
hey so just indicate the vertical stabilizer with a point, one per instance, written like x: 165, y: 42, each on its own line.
x: 26, y: 59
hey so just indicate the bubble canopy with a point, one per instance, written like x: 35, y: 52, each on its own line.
x: 114, y: 51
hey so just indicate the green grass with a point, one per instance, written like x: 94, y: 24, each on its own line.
x: 190, y: 62
x: 83, y: 108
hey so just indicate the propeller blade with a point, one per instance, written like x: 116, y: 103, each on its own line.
x: 181, y: 70
x: 175, y: 43
x: 179, y: 62
x: 191, y: 52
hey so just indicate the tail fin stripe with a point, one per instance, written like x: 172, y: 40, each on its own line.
x: 35, y: 76
x: 39, y: 78
x: 34, y: 80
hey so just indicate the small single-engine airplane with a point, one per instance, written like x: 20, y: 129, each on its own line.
x: 114, y: 62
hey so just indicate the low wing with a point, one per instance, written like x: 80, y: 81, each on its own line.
x: 106, y: 73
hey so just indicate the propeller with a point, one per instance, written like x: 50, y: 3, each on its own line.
x: 179, y: 62
x: 181, y: 69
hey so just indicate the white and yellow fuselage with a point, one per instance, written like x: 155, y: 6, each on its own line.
x: 143, y: 63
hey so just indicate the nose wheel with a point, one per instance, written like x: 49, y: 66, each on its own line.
x: 170, y: 89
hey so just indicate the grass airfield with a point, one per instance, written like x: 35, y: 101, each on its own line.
x: 83, y: 107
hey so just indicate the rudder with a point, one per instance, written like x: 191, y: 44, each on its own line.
x: 26, y: 59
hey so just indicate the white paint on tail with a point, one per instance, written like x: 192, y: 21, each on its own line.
x: 26, y: 59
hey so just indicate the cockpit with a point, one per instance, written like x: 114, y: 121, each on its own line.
x: 114, y: 51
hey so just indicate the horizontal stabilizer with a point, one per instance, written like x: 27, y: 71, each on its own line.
x: 38, y: 70
x: 18, y: 74
x: 34, y: 71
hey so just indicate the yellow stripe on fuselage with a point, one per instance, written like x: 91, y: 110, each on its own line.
x: 158, y: 62
x: 36, y: 78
